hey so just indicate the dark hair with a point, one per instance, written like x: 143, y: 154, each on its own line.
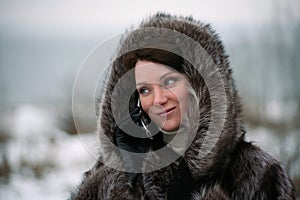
x: 154, y: 55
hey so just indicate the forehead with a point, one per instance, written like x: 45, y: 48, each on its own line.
x: 147, y: 71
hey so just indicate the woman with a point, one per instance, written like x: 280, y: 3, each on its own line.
x: 183, y: 137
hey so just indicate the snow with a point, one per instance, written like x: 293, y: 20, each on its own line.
x: 281, y: 111
x: 46, y: 162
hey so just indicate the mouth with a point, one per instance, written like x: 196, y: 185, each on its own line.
x: 166, y: 112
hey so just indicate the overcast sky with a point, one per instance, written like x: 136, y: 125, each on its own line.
x: 78, y: 16
x: 39, y: 35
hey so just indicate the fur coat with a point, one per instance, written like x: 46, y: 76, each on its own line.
x: 231, y: 169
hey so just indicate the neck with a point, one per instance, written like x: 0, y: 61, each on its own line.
x: 177, y: 139
x: 170, y: 133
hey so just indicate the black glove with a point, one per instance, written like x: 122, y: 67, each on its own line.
x: 128, y: 142
x: 131, y: 144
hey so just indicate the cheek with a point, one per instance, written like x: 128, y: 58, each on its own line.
x: 145, y: 104
x: 183, y: 99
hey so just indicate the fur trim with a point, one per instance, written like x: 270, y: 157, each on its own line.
x: 231, y: 168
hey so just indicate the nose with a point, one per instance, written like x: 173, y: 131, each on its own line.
x: 160, y: 96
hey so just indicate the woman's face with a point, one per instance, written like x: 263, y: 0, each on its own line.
x: 163, y: 93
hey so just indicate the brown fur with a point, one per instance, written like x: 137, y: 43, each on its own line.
x: 233, y: 169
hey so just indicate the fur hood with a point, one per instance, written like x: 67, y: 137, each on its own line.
x: 213, y: 64
x: 219, y: 159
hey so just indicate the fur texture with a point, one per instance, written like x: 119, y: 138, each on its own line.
x: 233, y: 168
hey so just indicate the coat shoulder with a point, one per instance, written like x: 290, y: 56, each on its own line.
x: 257, y: 174
x: 102, y: 182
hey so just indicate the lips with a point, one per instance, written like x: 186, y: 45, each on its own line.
x: 166, y: 112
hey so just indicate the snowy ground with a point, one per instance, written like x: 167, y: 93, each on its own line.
x: 46, y: 163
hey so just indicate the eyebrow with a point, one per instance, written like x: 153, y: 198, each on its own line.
x: 166, y: 74
x: 162, y: 77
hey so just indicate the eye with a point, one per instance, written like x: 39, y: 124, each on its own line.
x: 143, y: 91
x: 170, y: 81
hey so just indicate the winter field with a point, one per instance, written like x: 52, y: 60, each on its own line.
x: 40, y: 161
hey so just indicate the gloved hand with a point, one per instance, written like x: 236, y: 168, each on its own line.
x: 131, y: 144
x: 128, y: 142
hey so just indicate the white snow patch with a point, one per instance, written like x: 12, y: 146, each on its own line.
x: 46, y: 162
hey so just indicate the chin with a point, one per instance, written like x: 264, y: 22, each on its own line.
x: 170, y: 127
